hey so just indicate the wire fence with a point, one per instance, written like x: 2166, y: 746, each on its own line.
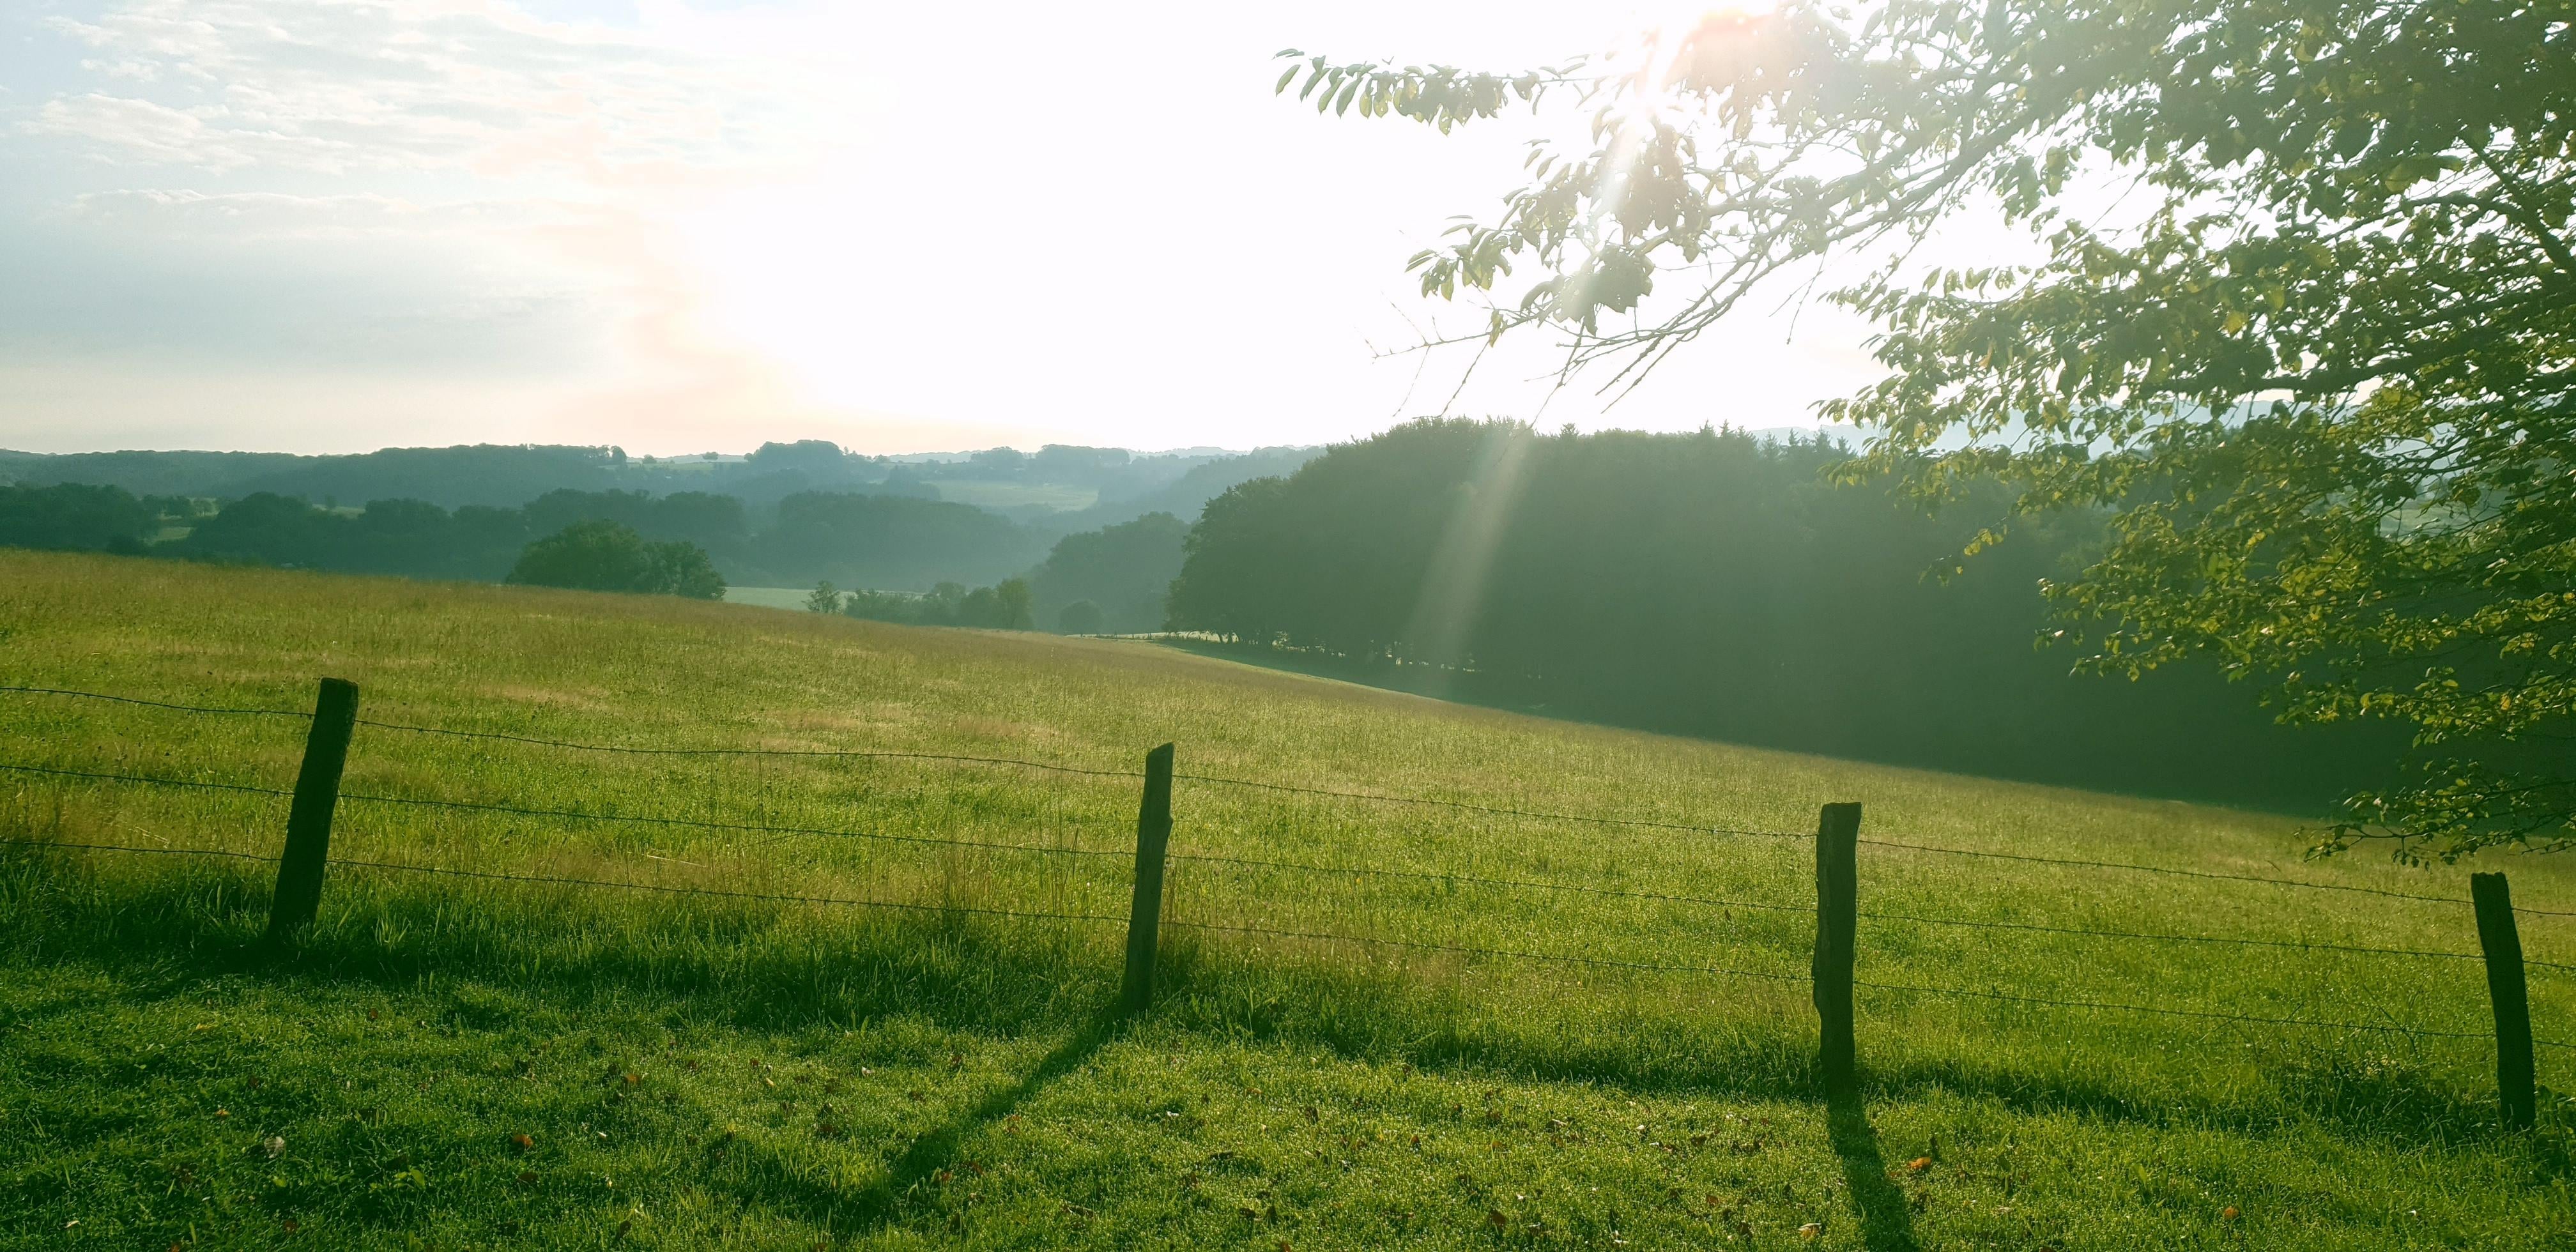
x: 774, y: 831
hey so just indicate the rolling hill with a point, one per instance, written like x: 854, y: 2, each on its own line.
x: 662, y: 923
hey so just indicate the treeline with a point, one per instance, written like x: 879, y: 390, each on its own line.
x: 864, y: 539
x: 505, y: 476
x: 1716, y: 585
x: 1112, y: 579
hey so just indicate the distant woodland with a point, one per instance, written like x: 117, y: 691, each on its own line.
x: 1715, y: 584
x: 1711, y: 583
x: 787, y: 515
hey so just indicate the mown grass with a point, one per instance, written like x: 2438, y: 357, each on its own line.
x: 695, y: 1070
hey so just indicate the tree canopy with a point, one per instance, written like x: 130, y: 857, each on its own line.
x: 1716, y: 584
x: 610, y: 556
x: 2297, y: 310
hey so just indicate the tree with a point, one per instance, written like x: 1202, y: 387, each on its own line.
x: 681, y: 568
x: 74, y: 515
x: 2298, y: 316
x: 1081, y: 617
x: 823, y: 598
x: 609, y: 556
x: 1123, y: 570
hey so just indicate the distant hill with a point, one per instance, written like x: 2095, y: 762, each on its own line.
x: 1112, y: 484
x: 1185, y: 496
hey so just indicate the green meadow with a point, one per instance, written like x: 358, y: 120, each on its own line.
x: 803, y: 1000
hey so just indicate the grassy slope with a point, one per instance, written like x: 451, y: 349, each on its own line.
x: 806, y: 1075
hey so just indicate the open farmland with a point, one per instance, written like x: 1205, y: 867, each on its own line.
x: 1583, y: 1021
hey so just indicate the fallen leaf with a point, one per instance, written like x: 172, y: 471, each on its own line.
x: 2229, y: 1213
x: 223, y: 1112
x: 274, y: 1145
x: 632, y: 1079
x: 1919, y: 1164
x: 1811, y: 1230
x: 522, y: 1142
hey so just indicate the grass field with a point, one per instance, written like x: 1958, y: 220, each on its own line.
x: 458, y: 1062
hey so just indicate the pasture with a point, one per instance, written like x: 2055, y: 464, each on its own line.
x: 1583, y: 1021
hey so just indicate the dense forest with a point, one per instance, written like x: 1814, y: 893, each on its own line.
x: 1715, y: 584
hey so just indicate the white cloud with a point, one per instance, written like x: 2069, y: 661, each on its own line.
x: 336, y: 86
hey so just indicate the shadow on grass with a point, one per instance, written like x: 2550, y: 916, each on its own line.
x: 1885, y: 1223
x: 876, y: 1207
x: 847, y: 1214
x: 773, y: 967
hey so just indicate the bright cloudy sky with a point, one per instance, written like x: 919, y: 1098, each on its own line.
x: 335, y: 225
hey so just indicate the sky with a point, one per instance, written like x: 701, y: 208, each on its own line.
x: 337, y: 225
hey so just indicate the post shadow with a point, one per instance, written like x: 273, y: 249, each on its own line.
x: 875, y: 1207
x: 1886, y: 1224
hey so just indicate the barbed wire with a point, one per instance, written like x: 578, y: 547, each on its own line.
x: 1974, y: 994
x: 1316, y: 936
x: 2161, y: 869
x: 1373, y: 940
x: 1487, y: 808
x: 158, y: 704
x: 582, y: 815
x: 141, y: 778
x: 859, y: 753
x: 751, y: 827
x: 2308, y: 945
x: 1517, y: 883
x: 1327, y: 870
x: 123, y: 847
x: 780, y: 897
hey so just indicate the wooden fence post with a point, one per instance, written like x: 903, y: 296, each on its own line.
x: 2502, y: 941
x: 1145, y: 914
x: 308, y: 821
x: 1837, y: 925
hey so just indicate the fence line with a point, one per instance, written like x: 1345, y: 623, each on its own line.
x: 750, y: 827
x: 1378, y: 941
x: 2172, y: 938
x: 157, y: 704
x: 849, y: 753
x: 2161, y: 869
x: 779, y: 897
x: 1515, y: 883
x: 1970, y: 993
x: 1324, y: 870
x: 140, y: 778
x: 317, y: 791
x: 1315, y: 936
x: 1486, y: 808
x: 120, y: 847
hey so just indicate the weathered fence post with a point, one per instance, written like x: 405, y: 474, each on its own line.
x: 1837, y: 925
x: 308, y: 821
x: 1145, y: 915
x: 2502, y: 941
